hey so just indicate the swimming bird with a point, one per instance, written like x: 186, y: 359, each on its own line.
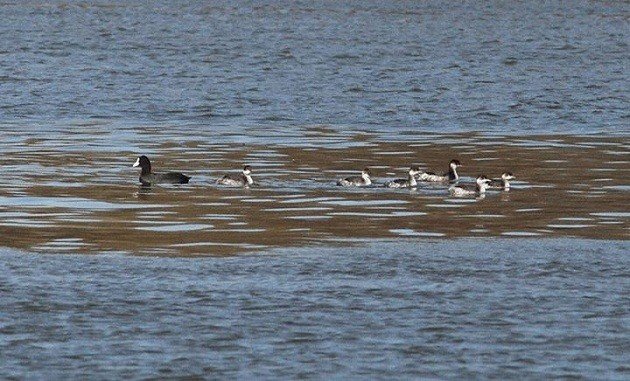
x: 502, y: 183
x: 451, y: 175
x: 357, y: 181
x: 243, y: 179
x: 469, y: 190
x: 409, y: 182
x: 150, y: 178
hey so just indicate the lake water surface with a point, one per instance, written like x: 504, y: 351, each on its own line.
x: 60, y: 195
x: 296, y: 277
x: 468, y: 308
x: 532, y: 67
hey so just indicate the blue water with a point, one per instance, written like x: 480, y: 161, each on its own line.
x: 112, y: 79
x: 463, y: 309
x: 531, y: 67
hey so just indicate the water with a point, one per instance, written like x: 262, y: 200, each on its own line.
x: 431, y: 65
x: 472, y: 308
x: 59, y: 196
x: 295, y: 277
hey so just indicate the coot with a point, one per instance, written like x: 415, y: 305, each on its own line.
x: 150, y: 178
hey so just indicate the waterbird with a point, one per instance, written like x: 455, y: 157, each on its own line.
x: 409, y: 182
x: 243, y: 179
x: 357, y: 181
x: 450, y: 176
x: 502, y: 183
x: 478, y: 189
x: 150, y: 178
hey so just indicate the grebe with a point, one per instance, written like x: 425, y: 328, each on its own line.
x: 238, y: 180
x: 409, y: 182
x: 357, y: 181
x: 468, y: 190
x: 149, y: 178
x: 502, y: 183
x: 450, y: 176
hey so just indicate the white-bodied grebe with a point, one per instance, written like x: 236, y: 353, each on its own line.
x: 469, y: 190
x: 502, y: 183
x: 450, y: 176
x: 409, y: 182
x: 238, y: 180
x: 357, y: 181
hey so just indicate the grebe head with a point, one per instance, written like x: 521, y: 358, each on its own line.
x: 366, y: 172
x: 482, y: 180
x: 247, y: 170
x: 455, y: 163
x: 507, y: 176
x: 414, y: 170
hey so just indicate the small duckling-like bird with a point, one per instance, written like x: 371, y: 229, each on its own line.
x: 503, y: 183
x: 357, y: 181
x: 450, y: 176
x: 243, y: 179
x: 409, y: 182
x: 469, y: 190
x: 148, y: 178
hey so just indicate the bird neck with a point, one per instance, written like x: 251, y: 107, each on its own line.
x: 146, y: 170
x: 452, y: 173
x: 412, y: 180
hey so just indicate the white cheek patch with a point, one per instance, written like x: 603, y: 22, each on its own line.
x: 137, y: 163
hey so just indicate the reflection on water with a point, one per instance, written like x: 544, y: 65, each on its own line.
x: 55, y: 197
